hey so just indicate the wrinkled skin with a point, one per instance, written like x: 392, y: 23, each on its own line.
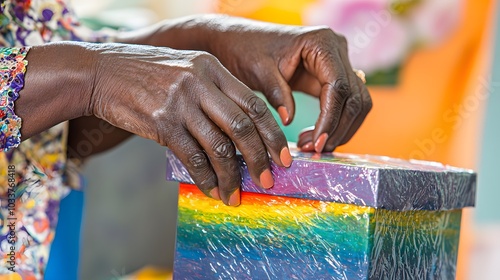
x: 277, y: 59
x: 198, y: 99
x: 196, y: 108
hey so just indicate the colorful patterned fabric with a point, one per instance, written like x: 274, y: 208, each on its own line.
x: 12, y: 69
x: 39, y: 167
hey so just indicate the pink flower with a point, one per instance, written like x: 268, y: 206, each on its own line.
x: 434, y: 20
x: 377, y: 38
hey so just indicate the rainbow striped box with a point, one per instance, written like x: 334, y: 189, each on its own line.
x: 329, y: 216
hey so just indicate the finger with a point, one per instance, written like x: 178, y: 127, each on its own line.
x: 332, y: 101
x: 367, y: 106
x: 350, y: 114
x: 278, y: 93
x: 328, y: 67
x: 352, y: 108
x: 322, y: 56
x: 240, y: 129
x: 197, y: 164
x: 356, y: 108
x: 267, y: 128
x: 221, y: 153
x: 305, y: 139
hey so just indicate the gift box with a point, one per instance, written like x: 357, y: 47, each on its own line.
x: 328, y: 216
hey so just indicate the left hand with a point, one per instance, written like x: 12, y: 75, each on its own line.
x: 276, y: 59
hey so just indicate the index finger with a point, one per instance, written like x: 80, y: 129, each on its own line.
x: 326, y: 59
x: 267, y: 128
x: 247, y: 121
x: 329, y: 69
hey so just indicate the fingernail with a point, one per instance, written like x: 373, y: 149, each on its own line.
x: 308, y: 147
x: 285, y: 157
x: 266, y: 179
x: 235, y: 198
x: 316, y: 156
x: 283, y: 114
x: 320, y: 143
x: 214, y: 193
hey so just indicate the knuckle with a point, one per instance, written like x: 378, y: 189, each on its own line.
x: 326, y: 33
x: 198, y: 167
x: 354, y: 105
x: 318, y: 34
x: 198, y: 160
x: 342, y: 88
x: 188, y: 78
x: 323, y: 30
x: 257, y: 108
x: 163, y: 138
x: 241, y: 125
x: 224, y: 149
x: 205, y: 58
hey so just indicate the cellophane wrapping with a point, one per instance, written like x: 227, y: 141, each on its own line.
x: 329, y: 217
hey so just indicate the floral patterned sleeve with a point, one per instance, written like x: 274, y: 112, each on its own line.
x: 12, y: 69
x: 35, y: 174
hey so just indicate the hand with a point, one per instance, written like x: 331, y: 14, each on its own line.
x: 188, y: 101
x: 277, y: 59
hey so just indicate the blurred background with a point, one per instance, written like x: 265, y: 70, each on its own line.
x: 433, y: 69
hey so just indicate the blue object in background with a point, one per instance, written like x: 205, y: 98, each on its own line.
x: 487, y: 211
x: 65, y: 251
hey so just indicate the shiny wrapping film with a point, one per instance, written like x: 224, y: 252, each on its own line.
x: 328, y: 216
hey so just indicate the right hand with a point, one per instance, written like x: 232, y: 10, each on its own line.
x: 188, y: 101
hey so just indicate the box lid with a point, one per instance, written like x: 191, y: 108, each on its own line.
x: 366, y: 180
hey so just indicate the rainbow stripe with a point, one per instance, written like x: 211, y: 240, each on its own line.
x: 273, y: 237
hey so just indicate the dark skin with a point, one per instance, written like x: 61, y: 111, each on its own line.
x: 200, y: 103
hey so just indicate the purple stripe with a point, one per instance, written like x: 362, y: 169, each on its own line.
x: 373, y: 181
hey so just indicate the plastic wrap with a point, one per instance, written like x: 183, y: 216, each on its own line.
x: 271, y: 237
x: 327, y: 217
x: 375, y: 181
